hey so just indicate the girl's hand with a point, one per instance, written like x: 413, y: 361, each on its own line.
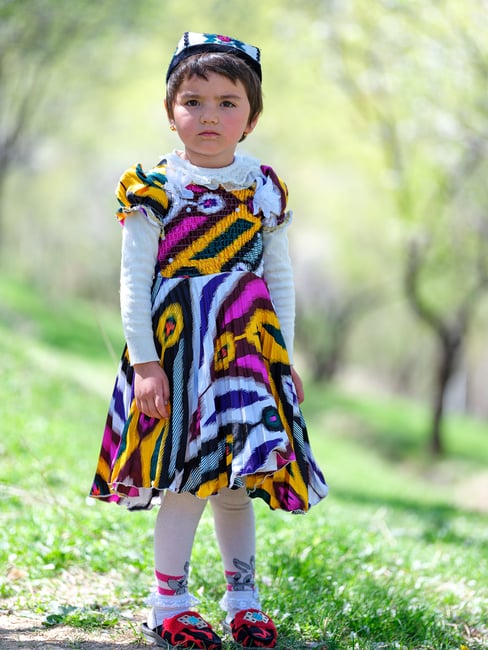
x: 298, y: 385
x: 151, y: 389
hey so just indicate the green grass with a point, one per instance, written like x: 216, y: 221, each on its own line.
x: 393, y: 558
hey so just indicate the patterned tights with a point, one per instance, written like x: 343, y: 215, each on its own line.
x: 176, y: 525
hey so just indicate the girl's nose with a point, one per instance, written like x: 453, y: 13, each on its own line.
x: 209, y: 116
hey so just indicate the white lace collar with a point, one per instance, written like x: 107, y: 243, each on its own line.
x: 242, y: 173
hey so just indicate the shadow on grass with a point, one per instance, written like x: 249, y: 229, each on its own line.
x: 396, y: 428
x: 401, y: 622
x: 437, y: 519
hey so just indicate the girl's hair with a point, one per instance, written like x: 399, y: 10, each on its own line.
x: 223, y: 63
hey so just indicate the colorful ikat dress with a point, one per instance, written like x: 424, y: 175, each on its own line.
x: 234, y: 415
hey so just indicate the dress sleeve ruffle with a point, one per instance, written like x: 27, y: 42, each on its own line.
x: 143, y: 191
x: 270, y: 198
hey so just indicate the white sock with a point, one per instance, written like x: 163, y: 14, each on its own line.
x: 167, y: 606
x: 235, y: 601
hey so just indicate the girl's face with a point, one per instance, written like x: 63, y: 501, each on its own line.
x: 210, y: 116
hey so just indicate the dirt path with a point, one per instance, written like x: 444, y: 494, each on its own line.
x: 26, y: 632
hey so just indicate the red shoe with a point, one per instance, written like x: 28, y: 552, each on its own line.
x: 185, y: 630
x: 252, y: 629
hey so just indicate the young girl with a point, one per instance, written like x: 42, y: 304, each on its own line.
x: 206, y: 404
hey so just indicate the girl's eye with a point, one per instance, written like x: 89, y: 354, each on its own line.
x: 228, y: 104
x: 191, y: 102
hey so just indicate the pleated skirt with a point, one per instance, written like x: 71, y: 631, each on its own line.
x: 234, y: 416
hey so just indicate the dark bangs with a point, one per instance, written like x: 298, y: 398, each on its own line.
x: 201, y: 65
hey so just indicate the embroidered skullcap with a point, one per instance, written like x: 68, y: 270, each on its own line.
x: 194, y: 43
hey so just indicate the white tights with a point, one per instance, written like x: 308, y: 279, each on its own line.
x: 176, y: 525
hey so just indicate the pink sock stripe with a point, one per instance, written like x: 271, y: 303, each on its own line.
x: 163, y: 577
x: 166, y: 592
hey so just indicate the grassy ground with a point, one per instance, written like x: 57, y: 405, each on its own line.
x: 396, y: 557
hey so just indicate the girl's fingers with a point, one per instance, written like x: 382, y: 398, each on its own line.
x: 157, y: 409
x: 160, y: 405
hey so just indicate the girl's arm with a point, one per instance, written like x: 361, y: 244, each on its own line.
x: 139, y: 253
x: 278, y: 274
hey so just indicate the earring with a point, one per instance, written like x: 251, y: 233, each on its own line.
x: 172, y: 127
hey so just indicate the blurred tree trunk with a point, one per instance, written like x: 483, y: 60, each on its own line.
x: 451, y: 333
x: 325, y: 349
x: 324, y: 326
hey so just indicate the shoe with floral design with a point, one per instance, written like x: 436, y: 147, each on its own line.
x: 252, y: 628
x: 185, y: 630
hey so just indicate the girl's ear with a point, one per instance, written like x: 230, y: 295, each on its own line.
x: 251, y: 126
x: 167, y: 110
x: 172, y: 125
